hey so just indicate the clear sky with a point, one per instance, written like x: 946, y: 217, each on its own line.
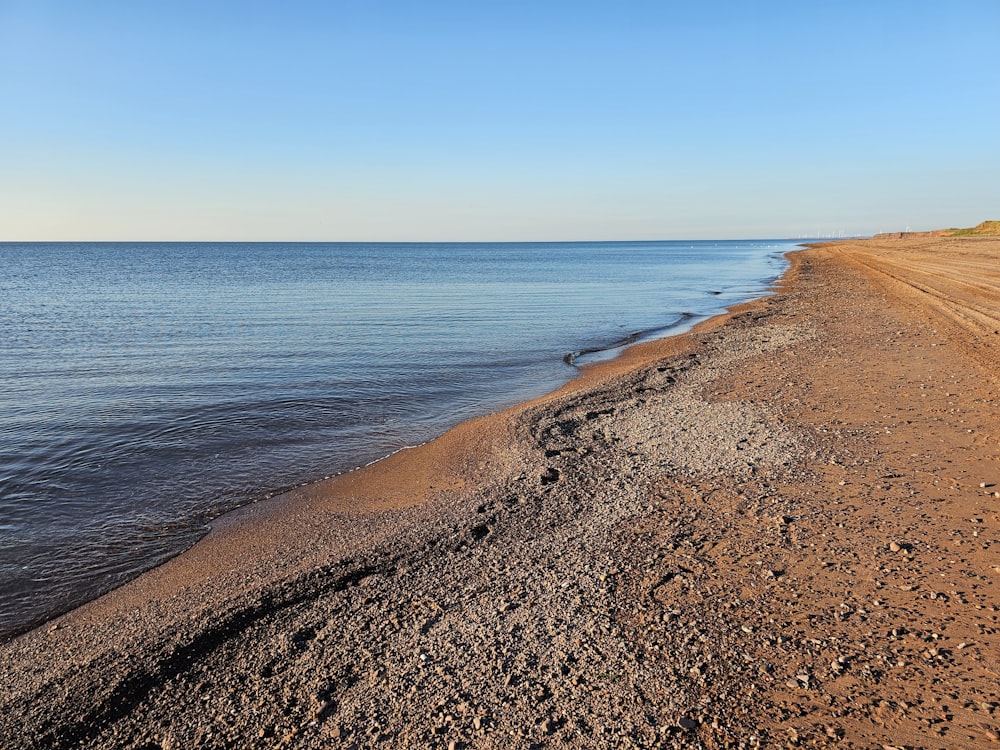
x: 442, y: 120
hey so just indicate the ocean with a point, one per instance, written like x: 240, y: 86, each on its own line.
x: 146, y: 388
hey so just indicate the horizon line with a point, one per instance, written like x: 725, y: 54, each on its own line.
x: 436, y: 242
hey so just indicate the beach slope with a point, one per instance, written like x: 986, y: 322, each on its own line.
x: 781, y: 529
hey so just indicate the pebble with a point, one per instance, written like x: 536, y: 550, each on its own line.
x: 894, y: 547
x: 686, y: 722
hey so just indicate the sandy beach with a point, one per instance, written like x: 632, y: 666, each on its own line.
x: 781, y: 529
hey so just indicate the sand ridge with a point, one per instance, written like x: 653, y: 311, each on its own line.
x: 779, y: 530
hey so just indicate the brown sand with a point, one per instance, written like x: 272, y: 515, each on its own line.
x: 773, y: 531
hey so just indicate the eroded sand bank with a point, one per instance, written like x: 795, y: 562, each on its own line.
x: 774, y: 530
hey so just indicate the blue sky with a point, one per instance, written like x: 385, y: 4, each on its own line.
x: 443, y: 120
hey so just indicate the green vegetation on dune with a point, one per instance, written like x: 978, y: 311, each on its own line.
x: 985, y: 229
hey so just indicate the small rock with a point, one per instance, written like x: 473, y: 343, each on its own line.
x: 477, y: 723
x: 686, y: 722
x: 893, y: 547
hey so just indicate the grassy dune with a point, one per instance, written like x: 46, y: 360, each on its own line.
x: 984, y: 229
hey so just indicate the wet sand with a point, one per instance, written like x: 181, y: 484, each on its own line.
x: 780, y: 529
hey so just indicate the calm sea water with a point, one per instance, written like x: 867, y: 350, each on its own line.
x: 146, y: 388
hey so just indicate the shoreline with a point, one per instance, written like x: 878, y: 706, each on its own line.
x: 191, y: 533
x: 367, y: 488
x: 738, y: 531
